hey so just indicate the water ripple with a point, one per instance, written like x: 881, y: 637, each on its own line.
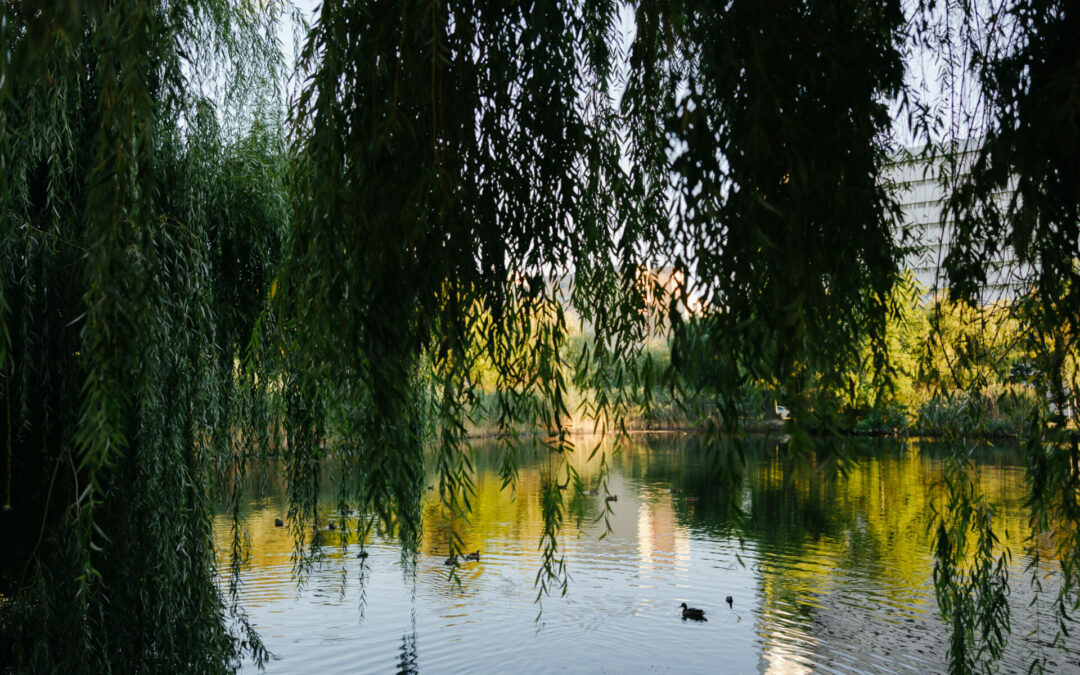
x: 839, y: 587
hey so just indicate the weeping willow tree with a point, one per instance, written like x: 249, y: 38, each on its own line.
x: 454, y: 164
x: 188, y: 281
x: 137, y: 239
x: 459, y: 185
x: 1024, y: 63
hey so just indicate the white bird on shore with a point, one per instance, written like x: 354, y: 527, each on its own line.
x: 781, y: 412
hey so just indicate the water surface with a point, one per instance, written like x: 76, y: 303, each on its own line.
x: 833, y: 572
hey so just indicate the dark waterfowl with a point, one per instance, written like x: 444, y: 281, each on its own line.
x: 475, y: 556
x: 332, y: 526
x: 278, y: 522
x: 693, y: 613
x: 730, y: 602
x: 362, y: 554
x: 452, y: 560
x: 612, y: 498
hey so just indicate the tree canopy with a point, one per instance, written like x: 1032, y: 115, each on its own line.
x: 202, y: 266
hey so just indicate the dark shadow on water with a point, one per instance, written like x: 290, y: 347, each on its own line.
x: 407, y: 658
x: 362, y: 601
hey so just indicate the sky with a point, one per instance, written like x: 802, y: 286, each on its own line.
x: 956, y: 104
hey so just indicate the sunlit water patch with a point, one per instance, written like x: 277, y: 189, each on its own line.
x: 832, y: 574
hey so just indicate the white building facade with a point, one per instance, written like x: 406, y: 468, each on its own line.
x: 922, y: 188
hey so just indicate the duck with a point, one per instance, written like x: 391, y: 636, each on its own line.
x: 730, y: 602
x: 452, y: 560
x: 332, y: 526
x: 362, y: 554
x: 693, y: 613
x: 475, y: 555
x: 278, y: 522
x: 612, y: 498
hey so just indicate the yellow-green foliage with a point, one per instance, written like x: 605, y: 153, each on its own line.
x: 949, y: 364
x: 971, y: 347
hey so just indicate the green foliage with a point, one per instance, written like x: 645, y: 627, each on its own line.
x: 1004, y: 413
x: 887, y: 417
x: 136, y: 244
x: 970, y: 573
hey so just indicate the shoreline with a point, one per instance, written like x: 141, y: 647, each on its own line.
x: 760, y: 427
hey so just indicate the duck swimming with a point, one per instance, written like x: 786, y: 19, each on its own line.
x: 278, y: 522
x: 730, y: 602
x: 612, y: 498
x: 693, y: 613
x: 475, y: 555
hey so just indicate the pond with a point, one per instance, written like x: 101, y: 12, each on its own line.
x: 832, y: 572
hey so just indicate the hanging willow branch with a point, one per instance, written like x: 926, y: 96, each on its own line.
x: 136, y: 241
